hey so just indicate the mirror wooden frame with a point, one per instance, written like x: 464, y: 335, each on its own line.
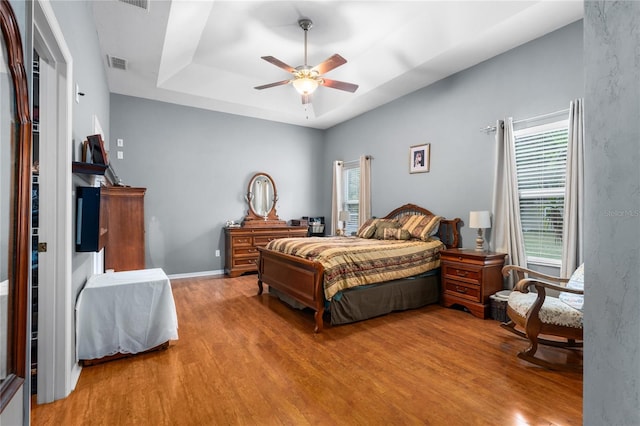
x: 253, y: 219
x: 20, y: 216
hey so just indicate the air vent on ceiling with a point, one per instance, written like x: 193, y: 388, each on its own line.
x: 142, y: 4
x: 117, y: 63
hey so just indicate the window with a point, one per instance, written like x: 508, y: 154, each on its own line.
x: 351, y: 194
x: 541, y: 162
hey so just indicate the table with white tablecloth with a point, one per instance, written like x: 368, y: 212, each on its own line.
x: 124, y: 312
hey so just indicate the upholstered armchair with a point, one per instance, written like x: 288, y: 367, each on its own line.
x: 559, y: 319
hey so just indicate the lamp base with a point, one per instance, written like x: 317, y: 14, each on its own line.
x: 479, y: 241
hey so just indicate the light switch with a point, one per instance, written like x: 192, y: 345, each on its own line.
x: 120, y: 142
x: 120, y: 155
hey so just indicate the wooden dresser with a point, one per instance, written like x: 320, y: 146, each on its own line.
x: 124, y: 248
x: 241, y: 245
x: 469, y: 277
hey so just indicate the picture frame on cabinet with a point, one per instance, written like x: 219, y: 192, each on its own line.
x: 419, y: 158
x: 96, y: 150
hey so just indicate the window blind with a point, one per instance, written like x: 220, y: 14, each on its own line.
x: 352, y: 195
x: 541, y: 162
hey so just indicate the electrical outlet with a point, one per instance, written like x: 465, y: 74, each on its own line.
x: 217, y: 253
x: 120, y: 155
x: 120, y: 142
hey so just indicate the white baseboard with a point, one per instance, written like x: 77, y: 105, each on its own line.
x: 197, y: 274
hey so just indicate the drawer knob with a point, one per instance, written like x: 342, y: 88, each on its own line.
x: 461, y: 289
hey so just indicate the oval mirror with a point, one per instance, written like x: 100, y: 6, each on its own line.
x: 261, y: 194
x: 262, y: 197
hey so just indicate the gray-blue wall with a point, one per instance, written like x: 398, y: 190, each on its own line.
x: 612, y: 214
x: 194, y: 161
x: 540, y: 77
x: 196, y: 166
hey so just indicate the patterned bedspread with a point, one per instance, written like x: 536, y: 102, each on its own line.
x: 352, y: 261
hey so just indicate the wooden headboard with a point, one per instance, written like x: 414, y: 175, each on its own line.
x: 448, y: 231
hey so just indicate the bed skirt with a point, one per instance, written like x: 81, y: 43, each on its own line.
x: 364, y: 302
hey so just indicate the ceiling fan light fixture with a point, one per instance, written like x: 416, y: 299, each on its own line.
x: 305, y: 85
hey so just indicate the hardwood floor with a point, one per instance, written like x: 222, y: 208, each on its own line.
x: 251, y: 360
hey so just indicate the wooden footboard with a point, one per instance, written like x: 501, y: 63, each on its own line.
x: 298, y: 278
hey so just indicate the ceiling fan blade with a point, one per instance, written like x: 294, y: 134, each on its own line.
x: 277, y: 83
x: 333, y: 62
x: 340, y: 85
x: 279, y: 63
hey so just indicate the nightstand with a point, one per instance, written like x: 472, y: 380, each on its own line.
x: 469, y: 277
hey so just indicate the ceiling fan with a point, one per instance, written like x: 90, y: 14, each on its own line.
x: 306, y: 79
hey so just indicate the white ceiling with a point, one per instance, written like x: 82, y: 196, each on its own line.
x: 206, y: 54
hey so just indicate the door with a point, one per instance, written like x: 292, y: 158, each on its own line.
x: 57, y: 370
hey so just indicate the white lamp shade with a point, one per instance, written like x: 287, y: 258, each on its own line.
x: 480, y: 219
x: 343, y: 216
x: 305, y: 85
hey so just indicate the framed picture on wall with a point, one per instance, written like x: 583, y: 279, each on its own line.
x: 419, y: 158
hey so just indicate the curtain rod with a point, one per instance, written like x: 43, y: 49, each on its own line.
x: 490, y: 129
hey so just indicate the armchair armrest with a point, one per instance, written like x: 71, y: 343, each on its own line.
x: 524, y: 284
x: 520, y: 271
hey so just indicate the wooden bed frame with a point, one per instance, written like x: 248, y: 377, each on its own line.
x: 302, y: 279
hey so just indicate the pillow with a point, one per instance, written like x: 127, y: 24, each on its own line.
x: 383, y: 224
x: 576, y: 282
x: 367, y: 229
x: 421, y: 226
x: 396, y: 234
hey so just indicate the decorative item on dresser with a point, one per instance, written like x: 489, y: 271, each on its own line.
x: 469, y: 277
x: 260, y: 225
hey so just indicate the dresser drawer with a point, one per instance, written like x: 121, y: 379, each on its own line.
x: 245, y: 262
x: 462, y: 272
x: 263, y: 240
x: 462, y: 289
x: 241, y: 240
x: 245, y: 251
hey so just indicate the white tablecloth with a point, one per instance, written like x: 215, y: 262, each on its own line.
x: 126, y: 312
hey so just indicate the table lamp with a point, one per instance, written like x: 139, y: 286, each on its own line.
x: 480, y: 220
x: 343, y: 217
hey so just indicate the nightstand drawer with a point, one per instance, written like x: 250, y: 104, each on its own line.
x: 462, y: 272
x: 463, y: 290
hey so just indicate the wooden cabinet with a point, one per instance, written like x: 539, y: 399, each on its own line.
x: 124, y: 248
x: 241, y: 245
x: 469, y: 277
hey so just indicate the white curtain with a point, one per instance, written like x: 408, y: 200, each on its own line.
x: 573, y: 221
x: 506, y: 228
x: 336, y: 195
x: 365, y: 189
